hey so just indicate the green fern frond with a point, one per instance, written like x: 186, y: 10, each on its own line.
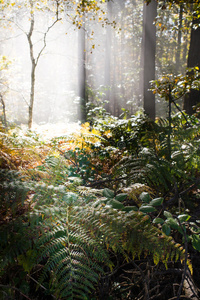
x: 74, y: 256
x: 148, y: 169
x: 134, y: 190
x: 76, y: 247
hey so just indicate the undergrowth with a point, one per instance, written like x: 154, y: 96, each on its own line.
x: 88, y: 216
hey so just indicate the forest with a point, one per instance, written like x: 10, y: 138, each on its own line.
x: 99, y: 149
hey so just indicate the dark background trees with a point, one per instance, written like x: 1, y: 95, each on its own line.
x: 192, y: 99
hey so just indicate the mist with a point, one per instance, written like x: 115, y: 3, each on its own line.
x: 112, y: 64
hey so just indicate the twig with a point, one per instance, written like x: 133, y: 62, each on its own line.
x: 44, y: 39
x: 185, y: 262
x: 177, y: 194
x: 144, y: 279
x: 14, y: 288
x: 181, y: 297
x: 173, y: 101
x: 40, y: 285
x: 186, y: 276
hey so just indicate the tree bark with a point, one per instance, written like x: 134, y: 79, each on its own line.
x: 148, y: 56
x: 178, y: 51
x: 107, y: 76
x: 33, y: 66
x: 35, y: 59
x: 4, y: 111
x: 82, y: 74
x: 193, y: 98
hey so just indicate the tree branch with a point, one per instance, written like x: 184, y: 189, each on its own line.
x: 45, y: 34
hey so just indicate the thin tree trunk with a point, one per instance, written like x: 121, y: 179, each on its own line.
x: 33, y: 67
x: 178, y: 51
x: 34, y: 60
x: 4, y: 111
x: 107, y: 76
x: 82, y: 74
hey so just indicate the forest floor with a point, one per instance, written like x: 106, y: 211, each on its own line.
x: 49, y: 131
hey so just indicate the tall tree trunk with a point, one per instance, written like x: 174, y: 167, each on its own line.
x: 82, y: 74
x: 178, y: 50
x: 148, y: 59
x: 107, y: 76
x: 193, y: 97
x: 33, y: 66
x: 35, y: 59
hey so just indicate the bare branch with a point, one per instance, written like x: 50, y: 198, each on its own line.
x: 45, y: 34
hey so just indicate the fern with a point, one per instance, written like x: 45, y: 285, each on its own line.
x: 152, y: 164
x: 78, y: 246
x: 74, y: 256
x: 147, y: 168
x: 16, y: 233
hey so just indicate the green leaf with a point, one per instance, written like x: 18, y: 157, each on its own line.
x: 130, y: 208
x: 108, y: 193
x: 115, y: 204
x: 166, y: 229
x: 146, y: 208
x: 145, y: 197
x: 196, y: 242
x: 70, y: 198
x: 121, y: 197
x: 158, y: 221
x: 172, y: 223
x: 167, y: 214
x: 28, y: 260
x: 156, y: 202
x: 184, y: 218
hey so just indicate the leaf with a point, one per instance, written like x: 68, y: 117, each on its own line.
x: 145, y: 197
x: 121, y: 197
x: 172, y: 222
x: 167, y: 214
x: 166, y: 229
x: 70, y: 198
x: 196, y: 242
x: 158, y: 221
x: 28, y: 260
x: 108, y: 193
x: 130, y: 208
x: 115, y: 204
x: 146, y: 208
x: 156, y: 258
x: 184, y: 218
x: 156, y: 202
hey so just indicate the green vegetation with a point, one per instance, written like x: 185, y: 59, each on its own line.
x: 113, y: 210
x: 103, y: 214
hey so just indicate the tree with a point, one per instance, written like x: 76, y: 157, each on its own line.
x: 192, y: 99
x: 17, y: 13
x: 82, y: 73
x: 178, y: 50
x: 107, y: 76
x: 35, y: 58
x: 148, y: 56
x: 4, y: 64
